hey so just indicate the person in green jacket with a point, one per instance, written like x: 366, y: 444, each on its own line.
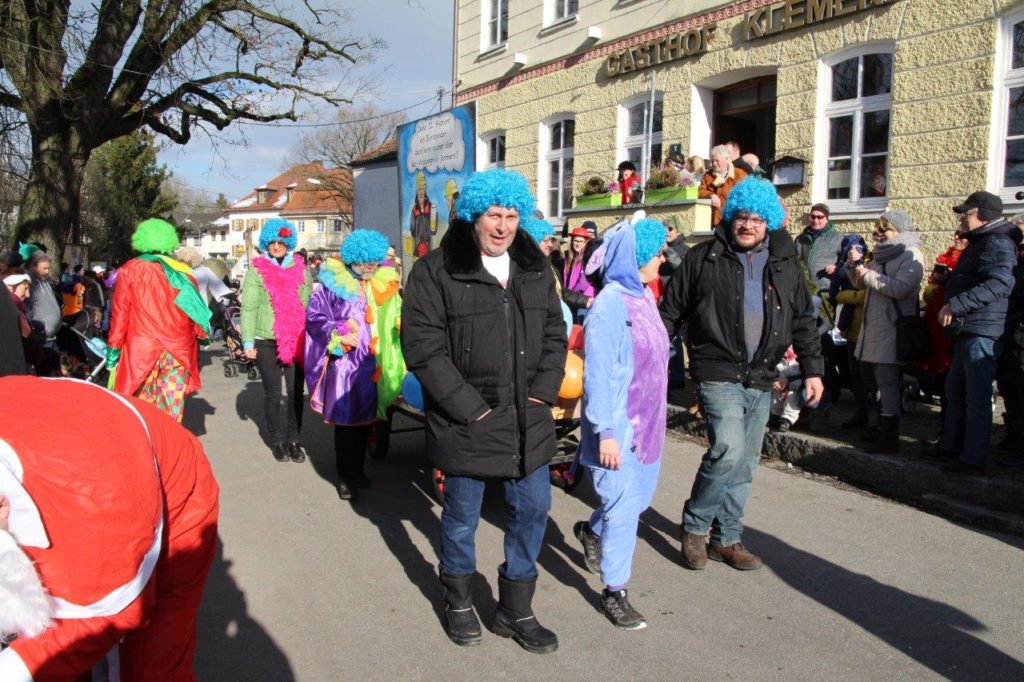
x: 274, y: 299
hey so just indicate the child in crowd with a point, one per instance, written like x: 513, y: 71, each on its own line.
x: 787, y: 398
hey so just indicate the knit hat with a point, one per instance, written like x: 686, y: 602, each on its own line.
x: 538, y: 229
x: 16, y: 279
x: 898, y: 220
x: 823, y: 208
x: 754, y: 195
x: 650, y: 239
x: 364, y: 246
x: 278, y: 230
x: 154, y: 236
x: 496, y: 187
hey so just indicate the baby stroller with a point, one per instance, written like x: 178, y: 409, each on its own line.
x: 236, y: 361
x: 96, y: 349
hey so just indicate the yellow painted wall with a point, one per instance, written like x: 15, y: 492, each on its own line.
x: 941, y: 102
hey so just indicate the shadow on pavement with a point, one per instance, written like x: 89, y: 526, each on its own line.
x: 399, y: 503
x: 231, y: 645
x: 934, y: 634
x: 197, y: 409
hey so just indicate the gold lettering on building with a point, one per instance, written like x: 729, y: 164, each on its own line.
x: 661, y: 51
x: 794, y: 14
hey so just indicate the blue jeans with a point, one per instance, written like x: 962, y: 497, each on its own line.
x: 528, y: 500
x: 625, y: 495
x: 736, y: 417
x: 968, y: 423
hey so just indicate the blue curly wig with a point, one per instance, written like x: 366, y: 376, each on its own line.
x: 754, y: 195
x: 650, y: 236
x: 498, y: 187
x: 364, y: 246
x: 278, y: 230
x: 538, y: 228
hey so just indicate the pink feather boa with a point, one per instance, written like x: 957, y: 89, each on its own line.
x: 282, y: 284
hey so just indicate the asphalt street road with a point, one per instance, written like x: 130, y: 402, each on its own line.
x: 307, y: 587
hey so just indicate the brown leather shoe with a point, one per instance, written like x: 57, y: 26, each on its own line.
x: 736, y: 556
x: 695, y: 551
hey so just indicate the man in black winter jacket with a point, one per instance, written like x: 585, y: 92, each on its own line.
x: 743, y: 297
x: 976, y: 297
x: 482, y: 329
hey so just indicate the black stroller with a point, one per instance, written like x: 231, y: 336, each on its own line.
x: 236, y: 361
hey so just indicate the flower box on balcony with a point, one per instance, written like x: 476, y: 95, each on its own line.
x: 598, y: 200
x: 656, y: 196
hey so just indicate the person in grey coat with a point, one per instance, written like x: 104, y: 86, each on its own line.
x: 893, y: 282
x: 44, y: 306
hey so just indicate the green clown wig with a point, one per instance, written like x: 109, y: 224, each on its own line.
x: 155, y: 236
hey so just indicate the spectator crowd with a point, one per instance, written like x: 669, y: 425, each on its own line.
x: 774, y: 328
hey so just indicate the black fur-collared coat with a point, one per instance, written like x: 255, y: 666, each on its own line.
x: 476, y: 346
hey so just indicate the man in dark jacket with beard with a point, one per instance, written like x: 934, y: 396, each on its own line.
x: 482, y: 330
x: 975, y: 315
x: 743, y: 297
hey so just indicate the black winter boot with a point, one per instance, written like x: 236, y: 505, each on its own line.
x: 888, y: 436
x: 460, y: 623
x: 515, y: 617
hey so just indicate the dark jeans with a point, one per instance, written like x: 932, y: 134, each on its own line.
x: 858, y: 382
x: 528, y: 500
x: 968, y: 424
x: 350, y: 449
x: 272, y: 372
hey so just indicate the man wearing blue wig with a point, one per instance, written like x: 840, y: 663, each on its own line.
x: 744, y: 299
x: 482, y: 330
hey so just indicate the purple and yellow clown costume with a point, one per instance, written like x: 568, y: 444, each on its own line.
x: 354, y: 385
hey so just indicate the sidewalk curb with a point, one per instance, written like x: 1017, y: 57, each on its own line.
x: 985, y: 501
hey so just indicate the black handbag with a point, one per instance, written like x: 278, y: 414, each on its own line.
x: 911, y: 337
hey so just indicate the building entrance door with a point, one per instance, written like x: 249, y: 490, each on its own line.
x: 745, y: 113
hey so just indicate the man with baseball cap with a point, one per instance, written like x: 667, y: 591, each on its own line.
x: 975, y: 314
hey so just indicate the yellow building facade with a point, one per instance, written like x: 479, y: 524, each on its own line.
x: 892, y: 104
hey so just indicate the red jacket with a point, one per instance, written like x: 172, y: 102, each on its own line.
x: 144, y: 322
x: 105, y: 507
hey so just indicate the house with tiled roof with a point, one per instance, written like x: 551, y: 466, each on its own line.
x: 317, y: 200
x: 375, y: 181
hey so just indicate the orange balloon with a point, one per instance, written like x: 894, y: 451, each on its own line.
x: 572, y: 384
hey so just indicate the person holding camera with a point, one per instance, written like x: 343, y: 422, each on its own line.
x: 892, y: 281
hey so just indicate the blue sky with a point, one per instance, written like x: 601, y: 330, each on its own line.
x: 417, y: 60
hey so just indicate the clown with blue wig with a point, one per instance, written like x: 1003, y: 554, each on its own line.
x: 274, y: 299
x: 354, y: 365
x: 625, y: 384
x: 743, y: 297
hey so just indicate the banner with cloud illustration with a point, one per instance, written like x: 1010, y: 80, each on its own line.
x: 436, y: 155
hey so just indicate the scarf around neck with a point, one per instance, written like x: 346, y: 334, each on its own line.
x: 282, y: 284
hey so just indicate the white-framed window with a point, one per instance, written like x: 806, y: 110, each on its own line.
x: 640, y: 131
x: 556, y: 11
x: 493, y: 153
x: 300, y: 225
x: 320, y: 224
x: 554, y: 179
x: 857, y: 99
x: 495, y: 24
x: 1006, y: 172
x: 223, y: 236
x: 338, y: 225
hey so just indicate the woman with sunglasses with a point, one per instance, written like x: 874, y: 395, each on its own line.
x: 893, y: 284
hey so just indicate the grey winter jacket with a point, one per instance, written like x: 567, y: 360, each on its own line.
x: 819, y: 253
x: 44, y: 306
x: 897, y: 280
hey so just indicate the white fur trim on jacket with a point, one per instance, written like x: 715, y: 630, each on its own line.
x: 27, y: 608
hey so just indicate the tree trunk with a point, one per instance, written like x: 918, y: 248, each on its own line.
x: 52, y: 198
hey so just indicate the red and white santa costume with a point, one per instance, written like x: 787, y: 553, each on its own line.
x: 120, y: 520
